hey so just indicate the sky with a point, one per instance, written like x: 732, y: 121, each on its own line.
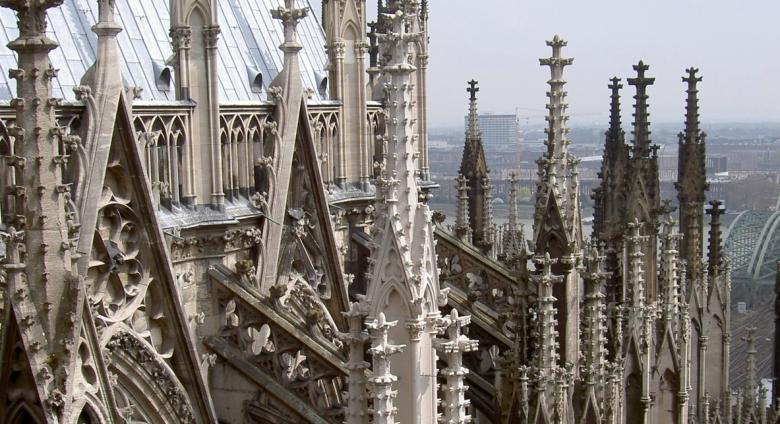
x: 735, y: 44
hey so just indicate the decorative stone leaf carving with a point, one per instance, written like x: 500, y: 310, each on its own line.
x: 231, y: 317
x: 260, y: 339
x: 294, y: 366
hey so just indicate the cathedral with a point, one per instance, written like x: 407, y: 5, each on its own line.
x: 216, y: 211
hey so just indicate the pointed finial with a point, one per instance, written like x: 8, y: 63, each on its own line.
x: 641, y: 80
x: 472, y: 89
x: 556, y: 61
x: 290, y: 16
x: 32, y: 16
x: 692, y: 133
x: 641, y: 116
x: 614, y: 115
x: 106, y: 10
x: 692, y: 79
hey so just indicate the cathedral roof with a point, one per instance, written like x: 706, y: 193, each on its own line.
x: 248, y: 47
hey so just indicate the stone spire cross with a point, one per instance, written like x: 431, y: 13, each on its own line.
x: 473, y: 130
x: 290, y: 17
x: 641, y: 124
x: 472, y: 89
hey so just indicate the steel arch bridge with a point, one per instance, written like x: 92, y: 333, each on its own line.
x: 753, y: 246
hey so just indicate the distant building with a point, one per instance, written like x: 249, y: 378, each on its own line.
x: 499, y: 132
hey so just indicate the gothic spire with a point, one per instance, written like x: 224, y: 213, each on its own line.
x: 557, y: 199
x: 557, y: 143
x: 473, y: 130
x: 609, y: 197
x: 641, y: 124
x: 642, y: 200
x: 614, y: 146
x: 514, y: 248
x: 404, y: 247
x: 557, y: 216
x: 41, y: 269
x: 473, y: 159
x: 692, y: 184
x: 615, y: 133
x: 473, y: 167
x: 692, y: 132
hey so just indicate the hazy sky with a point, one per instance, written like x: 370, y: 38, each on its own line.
x: 736, y: 45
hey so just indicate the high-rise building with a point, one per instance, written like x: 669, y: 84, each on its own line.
x: 500, y: 133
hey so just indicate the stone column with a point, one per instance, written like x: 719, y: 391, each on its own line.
x: 181, y: 41
x: 422, y: 118
x: 702, y: 374
x: 338, y: 51
x: 684, y: 343
x: 211, y: 37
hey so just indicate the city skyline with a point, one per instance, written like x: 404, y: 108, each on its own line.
x: 725, y: 40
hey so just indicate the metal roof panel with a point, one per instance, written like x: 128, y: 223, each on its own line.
x: 250, y: 39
